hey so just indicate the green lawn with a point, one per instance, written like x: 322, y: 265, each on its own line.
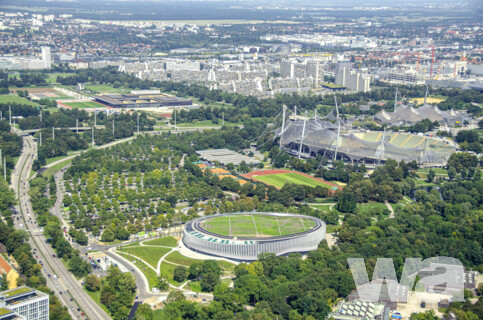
x: 51, y: 160
x: 168, y: 270
x: 166, y: 242
x: 371, y: 205
x: 178, y: 258
x: 279, y: 180
x: 195, y: 286
x: 149, y: 254
x: 148, y: 272
x: 438, y: 96
x: 10, y: 98
x: 54, y: 169
x: 84, y: 105
x: 52, y: 77
x: 438, y: 171
x: 101, y: 88
x: 256, y: 225
x: 206, y: 123
x: 96, y: 296
x: 322, y: 207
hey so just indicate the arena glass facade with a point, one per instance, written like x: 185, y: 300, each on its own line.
x: 200, y: 240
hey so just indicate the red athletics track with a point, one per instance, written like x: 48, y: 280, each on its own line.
x: 264, y: 172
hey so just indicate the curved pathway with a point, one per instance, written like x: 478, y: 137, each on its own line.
x: 391, y: 210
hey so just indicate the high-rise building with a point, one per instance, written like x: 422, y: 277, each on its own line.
x: 26, y: 302
x: 352, y: 80
x: 47, y: 57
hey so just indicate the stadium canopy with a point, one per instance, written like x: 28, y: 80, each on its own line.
x: 405, y: 115
x: 320, y: 137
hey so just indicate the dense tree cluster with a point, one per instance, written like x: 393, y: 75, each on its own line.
x: 18, y: 110
x: 22, y: 80
x: 117, y: 292
x: 53, y: 227
x: 469, y: 140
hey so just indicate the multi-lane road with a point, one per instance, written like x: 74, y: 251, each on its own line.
x: 66, y: 287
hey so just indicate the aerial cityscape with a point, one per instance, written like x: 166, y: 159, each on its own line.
x: 241, y: 160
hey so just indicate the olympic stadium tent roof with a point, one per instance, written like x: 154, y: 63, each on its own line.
x: 409, y: 115
x: 320, y: 137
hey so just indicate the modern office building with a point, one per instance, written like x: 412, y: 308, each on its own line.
x: 7, y: 314
x: 25, y: 303
x: 352, y: 80
x: 46, y: 57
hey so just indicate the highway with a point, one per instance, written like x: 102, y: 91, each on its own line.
x: 67, y: 288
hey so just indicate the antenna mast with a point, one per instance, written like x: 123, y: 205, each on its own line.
x: 338, y: 129
x: 303, y: 133
x: 283, y: 125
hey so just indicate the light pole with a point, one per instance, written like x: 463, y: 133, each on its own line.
x: 138, y: 122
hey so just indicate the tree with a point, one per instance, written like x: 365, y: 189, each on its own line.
x: 176, y: 295
x: 209, y: 281
x: 452, y: 173
x: 347, y: 203
x: 162, y: 284
x: 79, y: 267
x: 180, y: 274
x: 93, y: 283
x: 107, y: 235
x: 144, y: 312
x: 428, y: 315
x: 431, y: 175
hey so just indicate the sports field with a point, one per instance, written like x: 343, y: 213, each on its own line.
x: 83, y: 104
x: 279, y: 180
x: 10, y: 98
x: 259, y: 226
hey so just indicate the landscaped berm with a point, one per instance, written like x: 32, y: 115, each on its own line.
x: 256, y: 226
x: 278, y: 178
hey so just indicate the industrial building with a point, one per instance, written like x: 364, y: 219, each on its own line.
x: 141, y: 99
x: 197, y: 238
x: 24, y: 303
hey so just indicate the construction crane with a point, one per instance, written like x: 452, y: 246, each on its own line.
x: 432, y: 61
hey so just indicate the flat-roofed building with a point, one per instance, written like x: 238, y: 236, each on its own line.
x: 155, y: 100
x: 7, y: 314
x: 27, y: 302
x: 225, y: 156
